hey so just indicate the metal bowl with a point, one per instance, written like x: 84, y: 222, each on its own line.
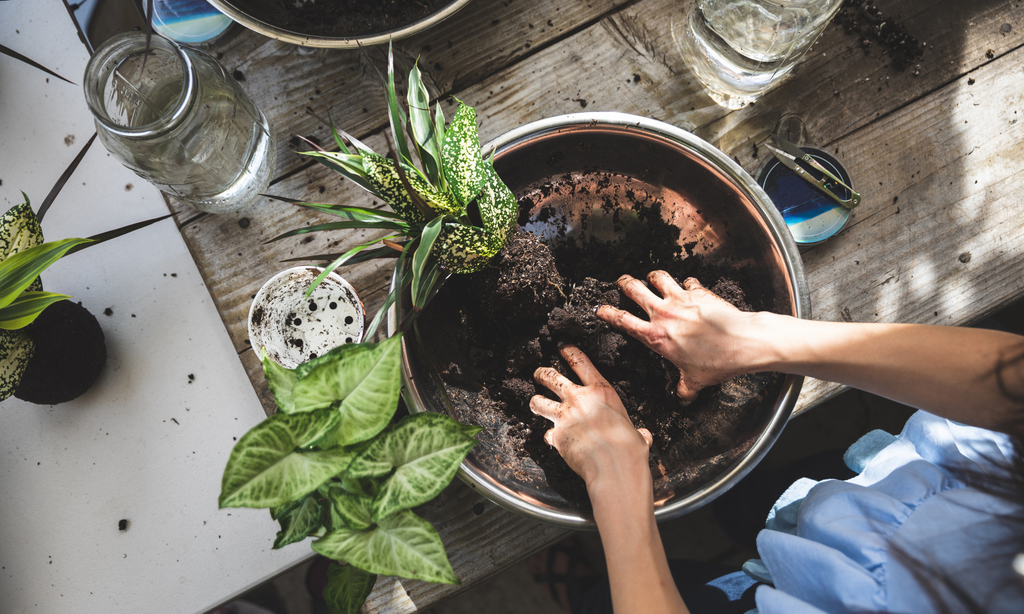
x: 723, y: 215
x: 238, y: 11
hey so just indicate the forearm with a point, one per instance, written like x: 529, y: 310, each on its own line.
x: 952, y: 372
x: 637, y: 568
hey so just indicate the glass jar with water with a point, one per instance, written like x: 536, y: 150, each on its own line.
x: 174, y: 116
x: 739, y: 48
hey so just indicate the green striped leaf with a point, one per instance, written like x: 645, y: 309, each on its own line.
x: 365, y: 377
x: 396, y: 116
x: 26, y: 308
x: 402, y: 545
x: 299, y: 522
x: 351, y: 509
x: 281, y: 381
x: 425, y: 271
x: 271, y: 464
x: 19, y: 270
x: 424, y: 451
x: 16, y: 349
x: 460, y: 155
x: 347, y: 588
x: 424, y: 134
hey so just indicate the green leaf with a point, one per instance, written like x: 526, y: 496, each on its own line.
x: 439, y: 124
x: 350, y: 255
x: 467, y: 249
x: 17, y: 56
x: 424, y: 450
x: 19, y: 229
x: 19, y: 270
x: 352, y: 509
x: 402, y: 545
x: 281, y: 381
x: 395, y: 113
x: 347, y: 588
x: 16, y: 349
x: 299, y: 522
x: 424, y: 135
x: 460, y: 155
x: 349, y: 165
x: 365, y: 377
x: 381, y: 173
x: 424, y: 265
x: 270, y: 466
x: 497, y: 204
x: 359, y: 224
x: 26, y: 308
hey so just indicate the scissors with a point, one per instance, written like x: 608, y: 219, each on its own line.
x: 790, y: 153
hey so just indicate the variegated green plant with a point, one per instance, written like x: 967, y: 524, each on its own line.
x: 23, y: 257
x: 450, y: 215
x: 333, y: 464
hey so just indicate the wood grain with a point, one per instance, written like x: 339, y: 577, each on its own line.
x: 938, y: 237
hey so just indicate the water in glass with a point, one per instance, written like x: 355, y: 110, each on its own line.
x: 737, y: 49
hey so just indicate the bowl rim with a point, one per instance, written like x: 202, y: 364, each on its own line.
x: 581, y: 520
x: 352, y: 42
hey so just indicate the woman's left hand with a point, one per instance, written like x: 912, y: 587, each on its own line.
x: 591, y: 429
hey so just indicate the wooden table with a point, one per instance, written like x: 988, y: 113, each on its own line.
x: 935, y: 151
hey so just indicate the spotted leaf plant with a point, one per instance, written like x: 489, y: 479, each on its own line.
x: 23, y: 257
x: 450, y: 214
x: 334, y: 464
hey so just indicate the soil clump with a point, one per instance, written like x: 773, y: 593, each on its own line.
x: 70, y: 353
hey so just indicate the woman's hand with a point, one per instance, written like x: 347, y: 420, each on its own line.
x: 595, y: 436
x: 690, y: 326
x: 591, y: 429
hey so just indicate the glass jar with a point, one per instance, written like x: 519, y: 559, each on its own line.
x: 740, y: 48
x: 179, y: 121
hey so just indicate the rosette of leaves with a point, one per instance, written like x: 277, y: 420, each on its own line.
x: 451, y: 214
x: 334, y: 464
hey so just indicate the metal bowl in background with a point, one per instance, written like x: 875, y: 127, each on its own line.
x: 723, y: 215
x: 241, y: 12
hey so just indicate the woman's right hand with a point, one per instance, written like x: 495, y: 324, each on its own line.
x: 697, y: 331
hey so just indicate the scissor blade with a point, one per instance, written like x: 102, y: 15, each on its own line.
x: 791, y: 149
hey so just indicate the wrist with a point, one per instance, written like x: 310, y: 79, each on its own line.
x: 765, y: 342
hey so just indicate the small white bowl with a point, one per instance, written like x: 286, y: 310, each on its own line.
x: 294, y: 328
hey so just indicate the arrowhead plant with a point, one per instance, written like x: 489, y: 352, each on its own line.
x: 334, y: 464
x: 450, y: 214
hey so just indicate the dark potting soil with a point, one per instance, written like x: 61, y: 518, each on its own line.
x: 70, y: 353
x: 340, y: 18
x: 488, y: 332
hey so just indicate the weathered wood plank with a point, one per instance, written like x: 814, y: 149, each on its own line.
x: 481, y: 39
x: 596, y: 66
x: 940, y: 240
x: 899, y: 260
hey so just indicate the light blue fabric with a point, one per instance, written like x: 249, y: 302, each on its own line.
x: 830, y: 550
x: 866, y: 448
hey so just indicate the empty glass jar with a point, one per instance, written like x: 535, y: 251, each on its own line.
x: 180, y: 121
